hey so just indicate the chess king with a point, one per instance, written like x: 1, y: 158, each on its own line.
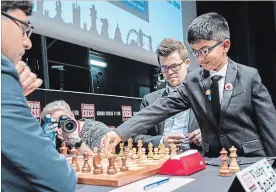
x: 240, y: 114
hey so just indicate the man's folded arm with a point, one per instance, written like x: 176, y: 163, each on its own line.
x: 25, y: 146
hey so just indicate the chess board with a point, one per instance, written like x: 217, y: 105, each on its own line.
x: 137, y: 170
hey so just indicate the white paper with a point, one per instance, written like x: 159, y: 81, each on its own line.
x: 173, y: 184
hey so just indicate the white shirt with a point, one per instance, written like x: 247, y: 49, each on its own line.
x: 221, y: 72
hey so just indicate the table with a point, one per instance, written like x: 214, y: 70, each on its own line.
x: 207, y: 180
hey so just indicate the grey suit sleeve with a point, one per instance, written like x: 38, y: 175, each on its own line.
x: 160, y: 110
x: 155, y: 140
x: 266, y: 115
x: 25, y: 146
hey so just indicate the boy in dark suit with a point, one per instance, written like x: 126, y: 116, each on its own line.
x: 231, y: 105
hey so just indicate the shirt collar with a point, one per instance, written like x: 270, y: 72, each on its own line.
x: 221, y: 72
x: 170, y: 89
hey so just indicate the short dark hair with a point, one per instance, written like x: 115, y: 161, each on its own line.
x: 25, y: 6
x: 210, y: 26
x: 168, y: 46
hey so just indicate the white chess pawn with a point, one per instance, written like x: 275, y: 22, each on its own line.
x: 134, y: 156
x: 156, y: 156
x: 143, y: 154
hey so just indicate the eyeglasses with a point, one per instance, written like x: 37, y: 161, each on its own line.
x: 28, y: 29
x: 174, y: 67
x: 204, y: 51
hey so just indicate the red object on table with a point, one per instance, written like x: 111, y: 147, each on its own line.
x: 183, y: 165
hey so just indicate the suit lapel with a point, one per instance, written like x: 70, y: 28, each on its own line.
x: 230, y: 78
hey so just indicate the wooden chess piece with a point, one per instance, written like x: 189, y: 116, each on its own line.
x: 173, y: 150
x: 143, y: 156
x: 150, y: 148
x: 95, y: 150
x: 98, y: 169
x: 134, y: 156
x: 86, y: 167
x: 161, y: 150
x: 234, y: 167
x: 124, y: 166
x: 111, y: 169
x: 128, y: 153
x: 121, y: 153
x: 74, y: 163
x: 102, y: 154
x: 224, y: 169
x: 167, y: 153
x: 113, y: 151
x: 156, y: 156
x: 139, y: 145
x: 63, y: 150
x: 130, y: 143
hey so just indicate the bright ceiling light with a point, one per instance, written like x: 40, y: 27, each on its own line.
x: 98, y: 63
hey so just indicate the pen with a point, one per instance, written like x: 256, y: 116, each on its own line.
x: 156, y: 184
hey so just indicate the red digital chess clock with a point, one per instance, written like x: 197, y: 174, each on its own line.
x: 183, y: 164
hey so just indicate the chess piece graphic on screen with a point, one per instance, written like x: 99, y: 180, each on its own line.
x: 58, y: 16
x: 39, y: 5
x: 104, y: 31
x: 118, y: 35
x: 234, y: 167
x: 76, y: 15
x: 224, y: 169
x: 93, y: 14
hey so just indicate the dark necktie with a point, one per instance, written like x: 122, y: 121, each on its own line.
x: 215, y: 101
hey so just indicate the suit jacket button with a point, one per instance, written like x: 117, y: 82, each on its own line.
x: 222, y: 134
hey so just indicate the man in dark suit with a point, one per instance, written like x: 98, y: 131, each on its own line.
x: 29, y: 162
x: 230, y: 103
x: 181, y: 129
